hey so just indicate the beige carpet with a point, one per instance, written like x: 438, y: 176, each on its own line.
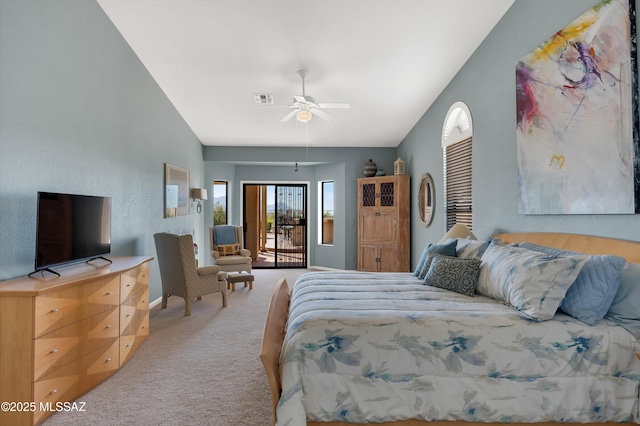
x: 198, y: 370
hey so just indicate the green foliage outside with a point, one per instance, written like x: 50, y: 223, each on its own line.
x: 219, y: 214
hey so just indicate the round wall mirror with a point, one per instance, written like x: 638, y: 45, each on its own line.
x: 427, y: 199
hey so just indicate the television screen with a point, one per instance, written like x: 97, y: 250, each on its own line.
x: 71, y: 228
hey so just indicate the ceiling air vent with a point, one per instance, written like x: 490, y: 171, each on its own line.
x: 263, y: 98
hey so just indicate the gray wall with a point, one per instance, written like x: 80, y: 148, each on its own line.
x: 486, y: 84
x: 342, y: 165
x: 80, y: 114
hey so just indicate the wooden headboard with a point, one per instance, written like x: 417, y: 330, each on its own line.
x: 586, y: 244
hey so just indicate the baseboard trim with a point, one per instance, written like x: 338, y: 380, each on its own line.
x: 155, y: 302
x: 324, y: 268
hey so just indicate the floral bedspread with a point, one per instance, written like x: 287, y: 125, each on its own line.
x: 371, y: 347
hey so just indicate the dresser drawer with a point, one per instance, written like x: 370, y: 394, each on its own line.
x: 134, y: 281
x: 133, y: 310
x: 75, y: 378
x: 57, y: 309
x: 55, y: 349
x: 129, y: 343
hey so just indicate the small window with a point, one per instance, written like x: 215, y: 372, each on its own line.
x: 457, y: 133
x: 220, y: 202
x: 457, y: 172
x: 326, y: 220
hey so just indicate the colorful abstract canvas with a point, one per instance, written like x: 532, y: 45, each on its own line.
x: 577, y: 120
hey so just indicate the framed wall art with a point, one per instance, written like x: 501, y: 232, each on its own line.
x: 176, y: 196
x: 577, y: 117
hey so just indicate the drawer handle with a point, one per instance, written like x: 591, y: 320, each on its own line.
x: 109, y: 293
x: 108, y: 326
x: 53, y: 351
x: 128, y: 345
x: 53, y: 391
x: 54, y: 310
x: 128, y: 285
x: 108, y: 360
x: 128, y: 315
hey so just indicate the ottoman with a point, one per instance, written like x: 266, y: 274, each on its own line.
x: 242, y: 277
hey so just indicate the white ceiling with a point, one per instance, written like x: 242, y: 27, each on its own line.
x: 389, y: 59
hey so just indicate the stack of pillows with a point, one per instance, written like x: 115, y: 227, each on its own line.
x: 537, y: 281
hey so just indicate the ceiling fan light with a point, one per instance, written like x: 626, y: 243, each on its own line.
x: 303, y: 116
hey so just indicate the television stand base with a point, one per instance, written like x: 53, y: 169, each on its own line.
x: 42, y: 271
x: 98, y: 257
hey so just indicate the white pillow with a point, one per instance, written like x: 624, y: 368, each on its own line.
x: 533, y: 283
x: 467, y: 248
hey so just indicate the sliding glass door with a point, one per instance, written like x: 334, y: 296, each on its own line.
x: 275, y: 218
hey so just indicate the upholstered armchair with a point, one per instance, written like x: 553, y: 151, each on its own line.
x: 227, y: 248
x: 179, y: 274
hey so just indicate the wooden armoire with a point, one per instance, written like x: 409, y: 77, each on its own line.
x: 384, y: 224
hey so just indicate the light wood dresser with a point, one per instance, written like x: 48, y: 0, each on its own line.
x: 62, y: 336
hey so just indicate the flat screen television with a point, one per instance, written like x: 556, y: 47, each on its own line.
x: 71, y: 228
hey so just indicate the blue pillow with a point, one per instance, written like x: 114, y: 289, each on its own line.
x: 423, y: 258
x: 592, y: 293
x: 447, y: 249
x: 625, y: 309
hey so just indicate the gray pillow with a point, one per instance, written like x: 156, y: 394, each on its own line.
x: 453, y: 273
x: 447, y: 249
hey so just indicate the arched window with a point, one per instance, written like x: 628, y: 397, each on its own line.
x: 457, y: 133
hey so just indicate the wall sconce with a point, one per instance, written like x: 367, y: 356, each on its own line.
x: 198, y: 194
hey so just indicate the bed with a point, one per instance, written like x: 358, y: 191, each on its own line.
x: 426, y: 356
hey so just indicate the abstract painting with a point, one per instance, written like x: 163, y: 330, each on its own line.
x: 577, y: 117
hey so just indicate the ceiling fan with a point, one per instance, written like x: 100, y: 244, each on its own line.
x: 304, y: 107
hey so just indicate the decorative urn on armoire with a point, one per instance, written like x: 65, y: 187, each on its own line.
x: 370, y: 168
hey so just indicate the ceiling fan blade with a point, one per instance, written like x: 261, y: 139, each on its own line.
x: 334, y: 105
x: 320, y: 114
x: 289, y: 116
x: 299, y: 98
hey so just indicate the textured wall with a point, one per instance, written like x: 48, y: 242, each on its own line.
x: 80, y: 114
x: 486, y: 83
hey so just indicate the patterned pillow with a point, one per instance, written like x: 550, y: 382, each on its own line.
x: 447, y: 249
x: 592, y: 293
x: 533, y: 283
x: 452, y: 273
x: 228, y: 249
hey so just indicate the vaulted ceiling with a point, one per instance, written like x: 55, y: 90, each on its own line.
x: 388, y: 59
